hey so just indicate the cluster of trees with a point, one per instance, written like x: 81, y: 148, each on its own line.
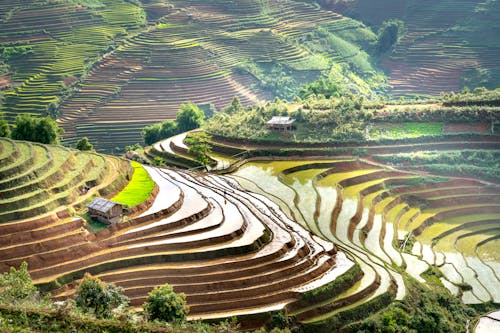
x: 43, y: 130
x: 102, y: 307
x: 189, y: 117
x: 26, y: 127
x: 94, y: 298
x: 388, y: 35
x: 473, y: 113
x: 318, y: 119
x: 423, y: 310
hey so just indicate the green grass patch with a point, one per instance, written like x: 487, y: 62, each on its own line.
x: 138, y: 189
x: 405, y: 130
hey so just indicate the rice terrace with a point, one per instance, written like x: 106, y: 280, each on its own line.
x: 258, y: 166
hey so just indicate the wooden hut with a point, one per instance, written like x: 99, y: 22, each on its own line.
x: 105, y: 211
x: 280, y: 124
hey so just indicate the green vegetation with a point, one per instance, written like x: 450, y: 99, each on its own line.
x: 199, y: 147
x: 43, y: 130
x: 84, y: 144
x: 322, y: 120
x: 5, y: 131
x: 164, y: 304
x: 17, y: 289
x: 189, y: 117
x: 388, y: 35
x: 405, y: 130
x: 353, y: 118
x: 97, y: 307
x: 470, y: 163
x: 422, y: 311
x: 138, y: 189
x: 97, y: 298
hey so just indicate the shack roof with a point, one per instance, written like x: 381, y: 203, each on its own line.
x: 102, y: 205
x: 276, y: 120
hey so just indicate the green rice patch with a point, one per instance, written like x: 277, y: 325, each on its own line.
x: 138, y: 189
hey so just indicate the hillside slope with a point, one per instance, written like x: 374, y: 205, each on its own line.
x: 166, y: 52
x: 448, y: 44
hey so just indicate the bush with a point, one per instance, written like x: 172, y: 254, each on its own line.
x: 84, y: 144
x: 98, y: 298
x: 165, y: 305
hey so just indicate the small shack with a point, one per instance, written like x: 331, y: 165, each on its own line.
x: 280, y: 124
x: 105, y: 211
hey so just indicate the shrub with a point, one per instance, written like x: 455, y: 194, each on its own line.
x: 98, y: 298
x: 84, y: 144
x: 165, y: 305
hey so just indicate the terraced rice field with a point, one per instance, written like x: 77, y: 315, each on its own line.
x: 231, y: 251
x: 51, y: 45
x: 370, y: 210
x: 447, y: 44
x: 191, y: 52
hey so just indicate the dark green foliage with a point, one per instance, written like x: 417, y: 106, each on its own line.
x: 16, y: 52
x: 159, y: 131
x: 43, y: 130
x: 16, y: 287
x: 279, y: 320
x: 5, y: 131
x: 164, y: 304
x: 422, y: 311
x: 84, y: 144
x: 189, y: 117
x: 320, y: 119
x: 199, y: 147
x: 46, y: 320
x: 323, y: 86
x: 98, y: 298
x: 388, y: 35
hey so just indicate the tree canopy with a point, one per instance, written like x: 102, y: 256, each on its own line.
x: 98, y: 298
x: 84, y: 144
x: 4, y: 128
x: 165, y: 305
x: 199, y: 146
x: 388, y: 35
x: 189, y: 117
x: 43, y: 130
x: 16, y: 286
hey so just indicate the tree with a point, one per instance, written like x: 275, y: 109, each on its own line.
x: 4, y: 129
x: 165, y: 305
x: 84, y: 144
x: 168, y: 128
x: 16, y: 287
x: 43, y: 130
x: 388, y: 35
x: 199, y: 146
x: 189, y: 117
x: 151, y: 134
x: 98, y: 298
